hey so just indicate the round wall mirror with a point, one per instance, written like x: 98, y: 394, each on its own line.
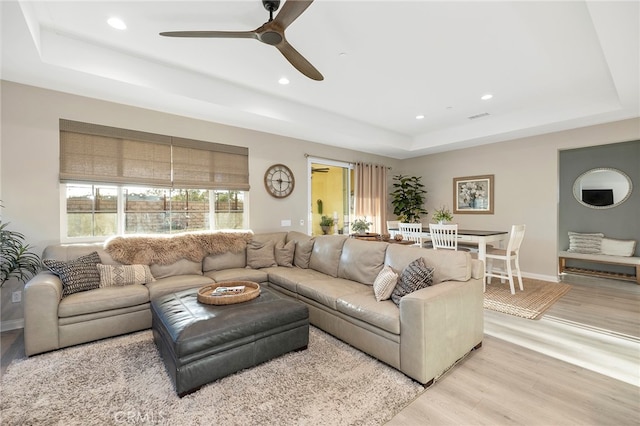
x: 602, y: 188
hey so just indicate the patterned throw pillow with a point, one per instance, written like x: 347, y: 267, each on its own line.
x: 260, y: 255
x: 284, y: 253
x: 585, y: 243
x: 121, y: 275
x: 414, y: 277
x: 384, y: 283
x: 76, y: 275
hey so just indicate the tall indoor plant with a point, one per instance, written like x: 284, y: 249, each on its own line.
x: 408, y: 198
x: 17, y: 261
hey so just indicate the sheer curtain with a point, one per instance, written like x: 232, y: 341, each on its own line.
x: 371, y: 195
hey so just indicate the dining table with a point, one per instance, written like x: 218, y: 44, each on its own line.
x: 470, y: 236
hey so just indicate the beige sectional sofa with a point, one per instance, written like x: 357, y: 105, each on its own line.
x: 423, y: 336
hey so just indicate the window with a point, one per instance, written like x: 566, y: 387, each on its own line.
x: 118, y: 181
x: 94, y: 212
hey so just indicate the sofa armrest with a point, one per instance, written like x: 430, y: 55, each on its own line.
x: 42, y: 295
x: 438, y: 326
x: 477, y: 268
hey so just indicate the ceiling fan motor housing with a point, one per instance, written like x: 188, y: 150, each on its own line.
x: 271, y: 5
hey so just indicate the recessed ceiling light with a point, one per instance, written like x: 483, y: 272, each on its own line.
x: 117, y: 23
x: 419, y: 117
x: 283, y: 81
x: 486, y: 97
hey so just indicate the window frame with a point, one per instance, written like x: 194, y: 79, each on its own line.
x: 121, y: 214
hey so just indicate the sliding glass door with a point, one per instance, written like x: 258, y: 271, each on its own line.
x: 331, y: 196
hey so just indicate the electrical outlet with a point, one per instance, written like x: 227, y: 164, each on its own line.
x: 301, y: 222
x: 16, y: 297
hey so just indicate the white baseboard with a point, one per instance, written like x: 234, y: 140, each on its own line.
x: 550, y: 278
x: 9, y: 325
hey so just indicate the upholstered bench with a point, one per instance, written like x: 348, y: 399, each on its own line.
x: 200, y: 343
x: 596, y: 248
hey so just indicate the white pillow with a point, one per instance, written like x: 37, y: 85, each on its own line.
x: 585, y: 243
x: 384, y: 283
x: 613, y: 247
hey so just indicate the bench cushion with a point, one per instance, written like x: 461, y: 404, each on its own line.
x: 624, y: 260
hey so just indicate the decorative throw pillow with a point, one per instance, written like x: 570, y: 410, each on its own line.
x: 384, y: 283
x: 613, y: 247
x: 284, y: 253
x: 260, y: 255
x: 585, y: 243
x: 76, y: 275
x: 303, y: 253
x: 414, y: 277
x: 121, y: 275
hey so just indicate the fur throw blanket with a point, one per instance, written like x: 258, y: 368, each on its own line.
x: 165, y: 250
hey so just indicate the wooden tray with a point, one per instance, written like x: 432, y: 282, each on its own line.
x: 251, y: 291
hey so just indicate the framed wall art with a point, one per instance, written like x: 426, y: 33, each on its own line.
x: 473, y: 195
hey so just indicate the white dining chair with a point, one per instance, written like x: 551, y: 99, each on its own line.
x: 511, y: 254
x: 444, y: 236
x: 411, y: 232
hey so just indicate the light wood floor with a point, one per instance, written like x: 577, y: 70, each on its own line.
x: 505, y: 384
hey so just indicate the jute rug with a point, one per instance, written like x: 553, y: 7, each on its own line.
x: 123, y: 381
x: 537, y: 297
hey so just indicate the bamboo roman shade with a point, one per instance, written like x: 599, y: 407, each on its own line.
x: 102, y: 154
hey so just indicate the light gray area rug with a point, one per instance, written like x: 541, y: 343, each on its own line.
x: 123, y: 381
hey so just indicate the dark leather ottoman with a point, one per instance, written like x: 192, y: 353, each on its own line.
x: 201, y: 343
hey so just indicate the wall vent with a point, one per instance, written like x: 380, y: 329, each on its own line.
x: 483, y: 114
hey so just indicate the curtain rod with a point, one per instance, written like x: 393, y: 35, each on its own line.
x: 334, y: 159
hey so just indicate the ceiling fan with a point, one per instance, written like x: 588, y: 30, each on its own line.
x: 271, y: 33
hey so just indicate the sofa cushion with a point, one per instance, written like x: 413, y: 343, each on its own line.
x: 289, y: 278
x: 275, y: 237
x: 239, y: 274
x: 414, y: 277
x: 77, y: 275
x: 585, y: 243
x: 613, y: 247
x: 448, y: 265
x: 364, y: 307
x: 261, y: 254
x: 284, y: 253
x: 172, y: 284
x: 228, y: 260
x: 121, y: 275
x: 325, y: 256
x: 103, y: 299
x: 361, y: 260
x: 384, y: 283
x: 328, y: 290
x: 181, y: 267
x: 302, y: 254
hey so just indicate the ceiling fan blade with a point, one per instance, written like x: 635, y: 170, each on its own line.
x: 290, y: 11
x: 298, y: 61
x: 211, y: 34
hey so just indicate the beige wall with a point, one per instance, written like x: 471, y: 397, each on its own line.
x: 526, y: 185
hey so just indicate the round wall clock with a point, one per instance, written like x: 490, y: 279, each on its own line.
x: 279, y: 181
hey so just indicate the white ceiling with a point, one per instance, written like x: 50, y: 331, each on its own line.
x: 549, y: 65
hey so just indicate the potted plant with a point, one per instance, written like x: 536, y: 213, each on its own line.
x: 360, y: 226
x: 16, y: 259
x: 326, y: 222
x: 408, y: 198
x: 442, y: 215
